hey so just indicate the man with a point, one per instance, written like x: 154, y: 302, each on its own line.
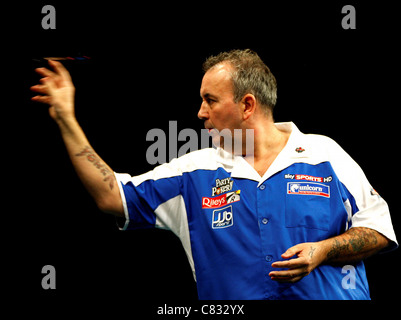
x: 283, y: 222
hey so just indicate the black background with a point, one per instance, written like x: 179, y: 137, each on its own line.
x: 144, y: 71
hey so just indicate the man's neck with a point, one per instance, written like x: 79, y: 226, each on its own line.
x: 268, y: 143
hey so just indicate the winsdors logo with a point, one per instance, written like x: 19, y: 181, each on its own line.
x: 306, y: 188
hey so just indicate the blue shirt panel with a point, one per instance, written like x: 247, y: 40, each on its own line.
x: 234, y: 244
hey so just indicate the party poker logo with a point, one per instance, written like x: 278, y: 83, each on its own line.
x: 222, y: 185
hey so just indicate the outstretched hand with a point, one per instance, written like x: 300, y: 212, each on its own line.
x: 57, y: 90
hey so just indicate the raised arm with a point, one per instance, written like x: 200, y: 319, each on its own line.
x: 57, y: 90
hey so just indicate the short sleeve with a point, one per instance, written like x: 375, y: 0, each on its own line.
x: 370, y: 209
x: 142, y: 195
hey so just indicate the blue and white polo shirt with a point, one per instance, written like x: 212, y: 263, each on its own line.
x: 233, y: 223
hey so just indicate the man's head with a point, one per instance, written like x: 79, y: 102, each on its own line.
x: 236, y: 86
x: 249, y: 75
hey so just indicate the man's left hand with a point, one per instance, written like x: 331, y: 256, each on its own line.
x: 308, y: 256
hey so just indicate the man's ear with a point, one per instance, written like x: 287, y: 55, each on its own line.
x: 249, y: 105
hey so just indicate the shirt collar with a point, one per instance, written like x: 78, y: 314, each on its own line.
x: 294, y: 151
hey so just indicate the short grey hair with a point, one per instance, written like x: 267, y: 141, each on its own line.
x: 250, y: 75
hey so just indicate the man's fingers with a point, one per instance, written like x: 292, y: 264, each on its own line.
x: 288, y: 275
x: 281, y: 264
x: 45, y: 72
x: 41, y: 99
x: 287, y: 279
x: 59, y: 68
x: 45, y: 89
x: 288, y: 254
x: 298, y: 267
x: 39, y: 88
x: 293, y: 251
x: 290, y: 264
x: 46, y: 86
x: 59, y: 73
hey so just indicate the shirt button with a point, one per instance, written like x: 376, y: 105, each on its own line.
x: 265, y: 220
x: 269, y: 258
x: 262, y: 187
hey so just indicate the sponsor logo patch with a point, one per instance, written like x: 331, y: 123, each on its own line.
x: 223, y: 218
x: 307, y: 177
x: 222, y: 200
x: 222, y: 185
x: 308, y: 188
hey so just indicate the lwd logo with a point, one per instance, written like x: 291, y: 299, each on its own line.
x: 223, y: 218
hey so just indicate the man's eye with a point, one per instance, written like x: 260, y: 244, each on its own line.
x: 209, y: 100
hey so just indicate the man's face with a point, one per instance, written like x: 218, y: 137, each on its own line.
x: 218, y: 109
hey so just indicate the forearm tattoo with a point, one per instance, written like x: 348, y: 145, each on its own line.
x: 103, y: 168
x: 357, y: 241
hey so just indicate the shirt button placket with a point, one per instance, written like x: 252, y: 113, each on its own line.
x: 264, y: 221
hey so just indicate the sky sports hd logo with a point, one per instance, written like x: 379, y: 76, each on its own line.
x: 307, y: 188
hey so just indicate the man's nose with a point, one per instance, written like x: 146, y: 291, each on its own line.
x: 202, y: 113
